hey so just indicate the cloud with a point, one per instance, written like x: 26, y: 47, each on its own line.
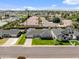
x: 29, y: 7
x: 77, y: 8
x: 71, y: 2
x: 54, y: 5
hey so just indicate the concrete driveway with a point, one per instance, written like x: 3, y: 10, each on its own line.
x: 28, y: 42
x: 11, y: 41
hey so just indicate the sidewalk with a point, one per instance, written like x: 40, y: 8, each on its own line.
x: 42, y: 58
x: 11, y: 41
x: 52, y: 58
x: 8, y: 58
x: 28, y: 42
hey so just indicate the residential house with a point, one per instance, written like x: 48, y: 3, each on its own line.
x: 65, y: 34
x: 38, y: 33
x: 32, y: 21
x: 9, y: 33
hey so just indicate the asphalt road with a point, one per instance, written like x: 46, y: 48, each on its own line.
x: 40, y: 52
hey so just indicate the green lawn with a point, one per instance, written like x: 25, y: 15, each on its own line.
x: 2, y: 41
x: 21, y: 40
x: 38, y: 41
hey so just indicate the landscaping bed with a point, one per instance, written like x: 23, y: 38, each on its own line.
x: 2, y: 41
x: 39, y: 41
x: 21, y: 40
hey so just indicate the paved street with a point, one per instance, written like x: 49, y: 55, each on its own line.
x: 28, y: 42
x: 39, y: 52
x: 11, y: 41
x: 42, y: 58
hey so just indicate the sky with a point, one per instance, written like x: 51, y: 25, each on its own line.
x: 38, y: 4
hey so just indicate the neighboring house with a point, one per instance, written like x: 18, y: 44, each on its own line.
x: 39, y: 33
x: 66, y: 34
x: 10, y: 19
x: 67, y: 23
x: 56, y: 33
x: 9, y: 33
x: 32, y: 21
x: 47, y: 23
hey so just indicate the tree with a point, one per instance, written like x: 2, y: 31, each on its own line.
x: 75, y: 25
x: 0, y: 18
x: 78, y: 19
x: 56, y: 20
x: 6, y: 15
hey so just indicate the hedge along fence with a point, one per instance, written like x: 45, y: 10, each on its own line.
x: 21, y: 40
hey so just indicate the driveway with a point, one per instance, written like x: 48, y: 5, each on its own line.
x: 28, y: 42
x: 11, y: 41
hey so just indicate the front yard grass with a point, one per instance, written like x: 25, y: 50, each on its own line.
x: 39, y: 41
x: 21, y: 40
x: 2, y: 41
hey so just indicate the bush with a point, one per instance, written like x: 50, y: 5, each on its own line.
x: 61, y: 42
x: 77, y: 19
x: 56, y: 20
x: 74, y: 42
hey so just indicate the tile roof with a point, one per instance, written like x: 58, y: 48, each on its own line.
x: 39, y: 32
x: 57, y: 31
x: 32, y: 21
x: 12, y: 32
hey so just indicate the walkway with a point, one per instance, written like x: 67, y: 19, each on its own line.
x: 8, y: 58
x: 11, y: 41
x: 28, y: 42
x: 42, y: 58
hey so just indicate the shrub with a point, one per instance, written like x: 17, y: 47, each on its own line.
x: 78, y: 19
x: 74, y: 42
x: 56, y: 20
